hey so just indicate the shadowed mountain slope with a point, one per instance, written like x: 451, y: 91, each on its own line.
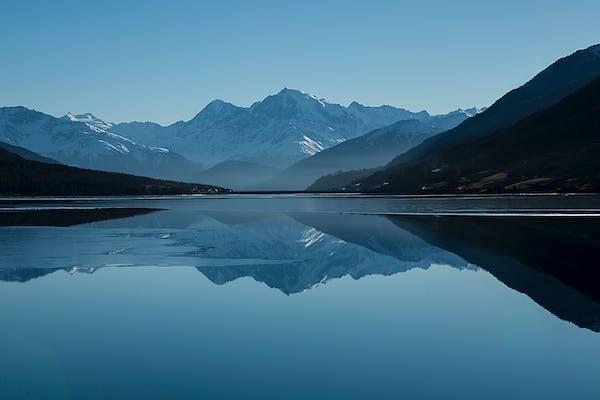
x: 19, y: 176
x: 418, y: 169
x: 554, y: 150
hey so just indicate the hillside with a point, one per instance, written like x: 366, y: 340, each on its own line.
x: 86, y: 141
x: 554, y: 150
x: 339, y: 181
x: 19, y: 176
x: 26, y: 154
x: 417, y: 170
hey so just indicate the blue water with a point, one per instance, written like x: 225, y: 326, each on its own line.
x: 292, y: 298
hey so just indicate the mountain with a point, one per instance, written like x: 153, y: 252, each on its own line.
x: 554, y: 150
x: 453, y: 118
x: 26, y: 154
x: 277, y: 131
x: 87, y: 142
x: 236, y: 175
x: 89, y: 119
x: 418, y: 170
x: 19, y: 176
x: 373, y: 149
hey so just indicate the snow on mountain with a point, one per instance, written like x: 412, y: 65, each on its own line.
x: 371, y: 150
x: 310, y: 146
x: 86, y: 141
x: 90, y: 120
x: 453, y: 118
x: 473, y: 111
x: 277, y: 131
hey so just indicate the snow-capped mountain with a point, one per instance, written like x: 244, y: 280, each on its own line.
x: 371, y: 150
x: 86, y: 141
x: 277, y: 131
x: 90, y: 120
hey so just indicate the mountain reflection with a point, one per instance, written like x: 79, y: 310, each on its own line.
x: 551, y: 260
x: 67, y: 216
x: 321, y: 247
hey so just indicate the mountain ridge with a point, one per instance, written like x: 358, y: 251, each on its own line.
x: 415, y: 170
x: 83, y: 141
x: 554, y: 150
x: 371, y: 150
x: 276, y: 131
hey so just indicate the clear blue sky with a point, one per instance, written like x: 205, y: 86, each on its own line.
x: 150, y: 60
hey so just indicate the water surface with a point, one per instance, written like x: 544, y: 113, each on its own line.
x: 300, y: 297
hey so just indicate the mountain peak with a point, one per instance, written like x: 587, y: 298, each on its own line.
x: 76, y: 117
x: 288, y: 91
x: 288, y: 103
x: 299, y: 94
x: 90, y: 119
x: 469, y: 112
x: 217, y: 109
x: 217, y: 105
x: 294, y: 92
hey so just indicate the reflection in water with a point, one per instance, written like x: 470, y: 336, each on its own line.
x: 314, y: 256
x: 550, y: 260
x: 285, y: 252
x: 67, y: 216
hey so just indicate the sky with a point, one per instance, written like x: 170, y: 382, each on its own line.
x: 164, y: 61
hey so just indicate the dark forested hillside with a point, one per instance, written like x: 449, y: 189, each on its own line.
x: 26, y: 154
x: 339, y: 180
x: 19, y: 176
x: 422, y: 169
x: 554, y: 150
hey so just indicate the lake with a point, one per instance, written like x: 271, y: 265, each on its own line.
x: 297, y: 297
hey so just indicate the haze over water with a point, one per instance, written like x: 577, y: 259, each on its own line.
x: 300, y: 297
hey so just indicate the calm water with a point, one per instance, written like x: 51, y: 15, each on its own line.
x: 300, y: 297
